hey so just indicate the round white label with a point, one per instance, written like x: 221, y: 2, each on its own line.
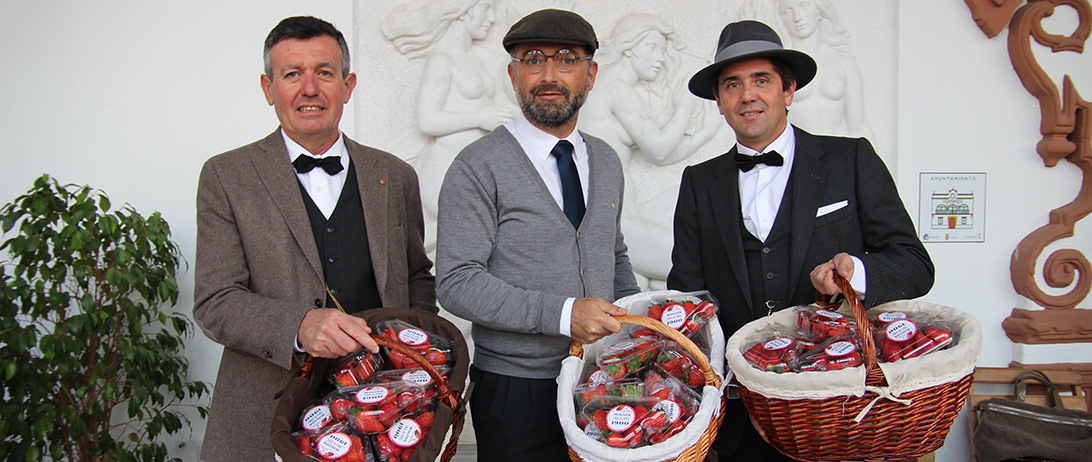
x: 413, y: 337
x: 891, y: 316
x: 405, y: 433
x: 419, y: 377
x: 674, y: 316
x: 829, y: 314
x: 840, y: 348
x: 334, y: 445
x: 671, y: 409
x: 622, y: 346
x: 598, y: 377
x: 372, y: 395
x: 316, y: 418
x: 620, y: 418
x: 901, y: 330
x: 778, y: 343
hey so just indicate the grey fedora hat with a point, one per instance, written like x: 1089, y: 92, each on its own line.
x: 745, y: 40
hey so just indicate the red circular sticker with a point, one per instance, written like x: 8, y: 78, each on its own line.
x: 620, y: 418
x: 840, y: 348
x: 413, y: 337
x: 334, y: 445
x: 674, y: 316
x: 829, y: 314
x: 371, y: 395
x: 405, y: 433
x: 778, y: 343
x: 891, y: 316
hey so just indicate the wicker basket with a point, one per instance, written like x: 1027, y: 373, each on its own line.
x: 827, y: 429
x: 310, y: 382
x: 697, y: 451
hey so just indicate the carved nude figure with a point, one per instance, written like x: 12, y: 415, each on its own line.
x: 641, y: 107
x: 462, y: 92
x: 833, y: 104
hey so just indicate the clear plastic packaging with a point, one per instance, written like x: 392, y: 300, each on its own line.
x: 617, y: 420
x: 374, y: 408
x: 902, y: 336
x: 355, y: 369
x: 676, y: 361
x: 776, y: 348
x: 628, y: 356
x: 686, y: 313
x: 434, y: 348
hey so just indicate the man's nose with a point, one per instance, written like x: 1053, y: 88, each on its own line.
x: 310, y: 84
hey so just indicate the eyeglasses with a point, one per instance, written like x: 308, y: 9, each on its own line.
x: 564, y: 60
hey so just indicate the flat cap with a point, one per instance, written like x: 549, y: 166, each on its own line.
x: 552, y: 26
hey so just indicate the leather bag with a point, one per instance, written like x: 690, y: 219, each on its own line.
x: 1015, y: 430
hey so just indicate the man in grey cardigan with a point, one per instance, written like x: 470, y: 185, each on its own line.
x: 528, y: 242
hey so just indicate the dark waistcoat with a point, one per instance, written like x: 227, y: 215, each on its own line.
x: 768, y: 262
x: 342, y: 242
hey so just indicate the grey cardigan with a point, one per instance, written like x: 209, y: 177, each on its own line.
x: 507, y: 258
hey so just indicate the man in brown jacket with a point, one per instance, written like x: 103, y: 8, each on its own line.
x: 282, y: 220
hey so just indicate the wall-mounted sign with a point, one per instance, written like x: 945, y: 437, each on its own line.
x: 952, y: 207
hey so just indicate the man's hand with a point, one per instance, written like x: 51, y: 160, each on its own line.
x: 329, y: 333
x: 591, y: 319
x: 822, y: 277
x: 758, y: 427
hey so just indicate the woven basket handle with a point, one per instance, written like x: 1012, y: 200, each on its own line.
x: 864, y: 326
x: 577, y: 349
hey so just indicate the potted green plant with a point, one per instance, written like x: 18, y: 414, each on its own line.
x: 90, y: 360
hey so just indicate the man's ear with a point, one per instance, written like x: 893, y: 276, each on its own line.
x: 350, y: 84
x: 267, y: 88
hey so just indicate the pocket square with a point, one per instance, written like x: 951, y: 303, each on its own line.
x: 826, y: 209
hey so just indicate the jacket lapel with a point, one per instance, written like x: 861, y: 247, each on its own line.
x: 724, y: 195
x: 372, y: 180
x: 809, y: 177
x: 276, y: 173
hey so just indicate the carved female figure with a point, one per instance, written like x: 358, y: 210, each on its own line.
x: 640, y: 106
x: 833, y: 104
x: 461, y: 95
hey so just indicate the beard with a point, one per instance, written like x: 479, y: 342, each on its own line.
x: 552, y: 114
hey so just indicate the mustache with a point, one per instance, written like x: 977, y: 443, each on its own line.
x: 550, y: 88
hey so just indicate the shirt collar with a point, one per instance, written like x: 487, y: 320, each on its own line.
x: 337, y: 149
x: 536, y: 141
x: 784, y: 145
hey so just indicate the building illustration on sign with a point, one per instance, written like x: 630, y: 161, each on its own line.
x: 953, y: 210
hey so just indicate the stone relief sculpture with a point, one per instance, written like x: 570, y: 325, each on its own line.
x: 833, y: 104
x: 640, y: 106
x: 463, y: 93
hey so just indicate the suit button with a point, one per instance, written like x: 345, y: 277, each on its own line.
x: 334, y: 291
x: 578, y: 234
x: 770, y: 275
x: 583, y: 272
x: 765, y: 250
x: 267, y: 354
x: 331, y: 259
x: 318, y: 303
x: 330, y: 230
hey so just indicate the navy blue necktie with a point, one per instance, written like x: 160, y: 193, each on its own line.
x: 305, y: 164
x: 571, y: 191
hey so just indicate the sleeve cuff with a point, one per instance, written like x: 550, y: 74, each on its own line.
x: 859, y: 281
x: 567, y: 317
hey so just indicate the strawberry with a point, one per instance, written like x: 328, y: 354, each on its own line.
x: 600, y: 418
x: 656, y: 312
x: 941, y: 336
x: 436, y: 357
x: 356, y: 450
x: 407, y: 401
x: 341, y: 409
x: 644, y: 332
x: 388, y: 414
x: 390, y: 333
x: 656, y: 421
x: 616, y: 370
x: 401, y: 361
x: 303, y: 443
x: 695, y: 378
x: 639, y: 412
x: 689, y: 327
x: 617, y: 440
x: 407, y: 452
x: 367, y: 422
x: 690, y: 307
x: 345, y: 379
x: 425, y: 420
x: 386, y: 446
x: 706, y: 310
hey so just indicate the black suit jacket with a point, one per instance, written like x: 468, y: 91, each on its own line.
x: 874, y: 226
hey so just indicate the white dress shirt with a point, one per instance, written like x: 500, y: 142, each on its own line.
x: 762, y: 189
x: 324, y: 189
x: 537, y: 144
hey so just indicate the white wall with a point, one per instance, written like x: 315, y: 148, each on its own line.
x: 132, y: 97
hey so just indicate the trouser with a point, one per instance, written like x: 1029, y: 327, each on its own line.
x: 515, y: 419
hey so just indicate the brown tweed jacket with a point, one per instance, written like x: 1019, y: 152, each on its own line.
x: 257, y: 273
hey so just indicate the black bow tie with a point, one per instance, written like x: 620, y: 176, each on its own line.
x: 746, y: 162
x: 305, y: 164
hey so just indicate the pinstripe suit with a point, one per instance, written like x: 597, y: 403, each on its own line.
x: 874, y: 226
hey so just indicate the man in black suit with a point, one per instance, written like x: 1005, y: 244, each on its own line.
x: 767, y: 224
